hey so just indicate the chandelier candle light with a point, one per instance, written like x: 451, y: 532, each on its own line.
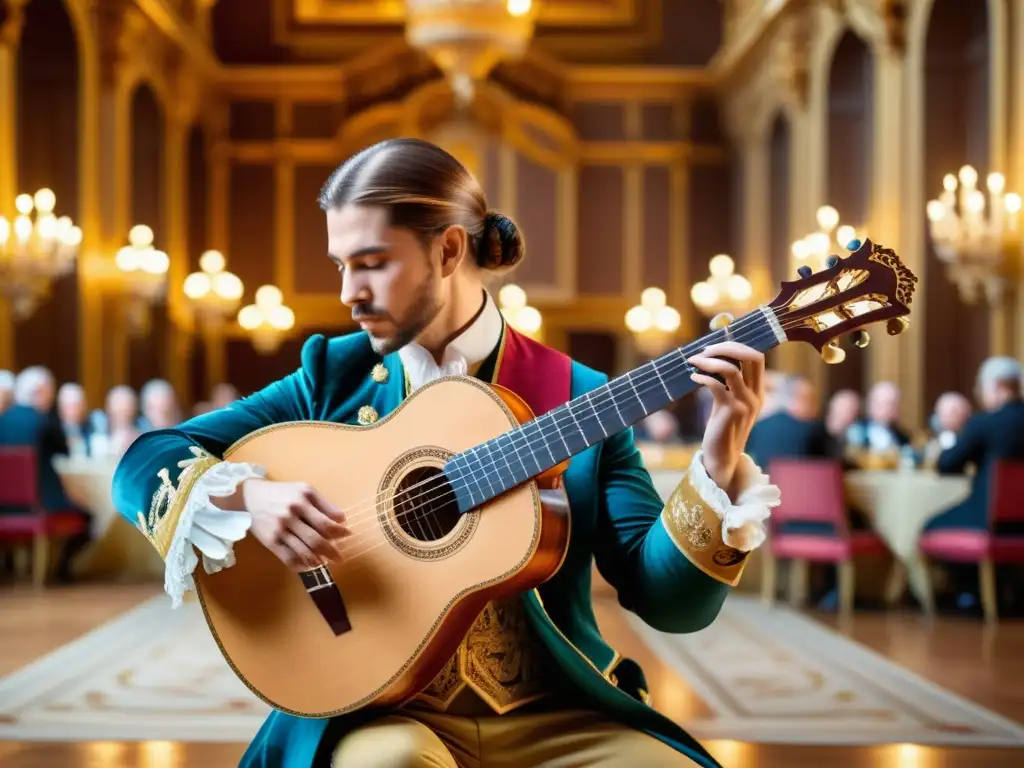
x: 653, y: 322
x: 520, y: 315
x: 145, y: 271
x: 268, y: 320
x: 468, y: 38
x: 814, y: 249
x: 974, y: 242
x: 213, y: 292
x: 35, y: 251
x: 724, y: 291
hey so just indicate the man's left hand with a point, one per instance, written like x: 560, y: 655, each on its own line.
x: 737, y: 404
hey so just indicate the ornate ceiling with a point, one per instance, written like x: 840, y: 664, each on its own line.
x: 656, y: 32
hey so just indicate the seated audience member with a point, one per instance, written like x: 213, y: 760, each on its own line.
x: 880, y: 433
x: 159, y: 405
x: 6, y: 390
x: 791, y: 431
x: 658, y: 427
x: 952, y: 410
x: 122, y: 413
x: 995, y: 433
x: 222, y: 396
x: 843, y: 412
x: 74, y: 418
x: 773, y: 380
x: 30, y: 423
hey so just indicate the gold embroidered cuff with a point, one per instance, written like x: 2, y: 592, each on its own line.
x: 169, y: 500
x: 697, y: 532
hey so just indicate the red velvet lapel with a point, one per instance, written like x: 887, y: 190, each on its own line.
x: 540, y: 375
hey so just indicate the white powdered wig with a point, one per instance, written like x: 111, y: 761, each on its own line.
x: 1000, y: 370
x: 29, y: 382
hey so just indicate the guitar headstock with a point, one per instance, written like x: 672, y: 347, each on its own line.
x: 870, y: 285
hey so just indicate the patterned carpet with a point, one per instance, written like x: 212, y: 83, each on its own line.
x: 772, y: 677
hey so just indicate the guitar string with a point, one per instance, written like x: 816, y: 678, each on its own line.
x: 359, y: 514
x: 441, y: 491
x: 484, y: 469
x: 612, y: 390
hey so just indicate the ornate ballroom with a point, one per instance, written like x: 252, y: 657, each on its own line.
x: 162, y: 254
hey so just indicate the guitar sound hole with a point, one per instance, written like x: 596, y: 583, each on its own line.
x: 425, y: 504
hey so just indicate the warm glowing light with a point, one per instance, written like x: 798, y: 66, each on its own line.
x: 936, y: 210
x: 250, y: 317
x: 511, y: 296
x: 653, y: 298
x: 519, y: 7
x: 667, y: 319
x: 968, y: 176
x: 704, y: 294
x: 801, y: 250
x: 197, y: 285
x: 721, y: 265
x: 140, y: 236
x: 1012, y: 203
x: 528, y: 319
x: 827, y: 217
x: 845, y: 235
x: 996, y: 183
x: 281, y: 317
x: 23, y: 204
x: 228, y: 286
x: 267, y: 319
x: 268, y: 296
x: 212, y: 262
x: 949, y: 182
x: 638, y: 319
x: 653, y: 322
x: 45, y: 200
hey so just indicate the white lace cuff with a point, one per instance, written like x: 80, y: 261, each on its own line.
x: 743, y: 526
x: 208, y: 528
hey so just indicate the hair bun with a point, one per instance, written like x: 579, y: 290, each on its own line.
x: 501, y: 243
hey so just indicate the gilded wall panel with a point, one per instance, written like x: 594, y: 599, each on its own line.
x: 657, y: 215
x: 601, y: 229
x: 251, y: 225
x: 313, y: 272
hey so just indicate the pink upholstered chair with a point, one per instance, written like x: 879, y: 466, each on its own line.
x: 19, y: 488
x: 812, y: 492
x: 985, y: 547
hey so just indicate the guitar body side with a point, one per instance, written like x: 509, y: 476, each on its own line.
x: 409, y: 601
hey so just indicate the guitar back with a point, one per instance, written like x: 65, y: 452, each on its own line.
x: 414, y: 572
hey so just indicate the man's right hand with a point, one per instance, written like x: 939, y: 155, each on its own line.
x: 294, y: 522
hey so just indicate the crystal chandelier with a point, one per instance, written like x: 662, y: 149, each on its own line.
x: 653, y: 322
x: 268, y: 320
x: 831, y: 238
x: 724, y: 291
x: 972, y: 235
x: 468, y: 38
x: 213, y: 292
x: 144, y: 270
x: 517, y: 313
x: 35, y: 250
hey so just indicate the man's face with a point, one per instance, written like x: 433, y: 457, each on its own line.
x: 43, y: 398
x: 805, y: 404
x: 122, y: 408
x: 952, y: 413
x: 843, y: 411
x: 884, y: 405
x: 162, y: 410
x: 6, y: 398
x: 71, y: 409
x: 391, y: 281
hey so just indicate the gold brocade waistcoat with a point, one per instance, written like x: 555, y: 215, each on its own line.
x: 501, y: 660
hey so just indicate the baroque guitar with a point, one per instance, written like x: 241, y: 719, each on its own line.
x: 455, y: 500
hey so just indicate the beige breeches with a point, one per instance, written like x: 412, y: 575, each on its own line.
x: 571, y: 739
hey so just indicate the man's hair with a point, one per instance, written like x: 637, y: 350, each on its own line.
x: 29, y: 382
x: 1001, y: 370
x: 426, y: 190
x: 6, y: 380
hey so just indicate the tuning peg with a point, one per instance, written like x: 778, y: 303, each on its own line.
x: 719, y: 321
x: 860, y: 339
x: 831, y: 261
x: 853, y: 245
x: 832, y: 353
x: 804, y: 271
x: 896, y: 325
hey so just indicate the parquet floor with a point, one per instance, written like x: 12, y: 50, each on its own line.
x: 985, y: 666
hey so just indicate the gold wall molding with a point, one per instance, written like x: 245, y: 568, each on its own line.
x: 1015, y: 166
x: 389, y: 13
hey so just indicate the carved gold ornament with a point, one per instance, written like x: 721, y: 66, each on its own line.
x: 379, y: 373
x: 367, y: 415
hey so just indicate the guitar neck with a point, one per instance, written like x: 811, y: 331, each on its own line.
x: 514, y: 457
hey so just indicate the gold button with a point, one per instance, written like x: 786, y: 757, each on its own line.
x: 367, y: 415
x: 379, y: 373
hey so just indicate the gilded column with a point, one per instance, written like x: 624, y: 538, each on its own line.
x: 633, y: 191
x: 214, y: 341
x: 1001, y: 314
x: 886, y: 356
x: 90, y: 307
x: 1015, y: 169
x: 10, y: 34
x: 176, y: 239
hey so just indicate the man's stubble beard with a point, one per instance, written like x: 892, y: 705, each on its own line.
x: 421, y: 314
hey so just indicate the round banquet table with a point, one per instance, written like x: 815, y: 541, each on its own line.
x: 118, y: 550
x: 899, y: 504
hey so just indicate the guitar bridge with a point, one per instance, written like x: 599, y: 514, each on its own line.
x: 321, y: 587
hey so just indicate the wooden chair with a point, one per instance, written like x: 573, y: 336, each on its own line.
x: 29, y: 523
x: 986, y: 547
x: 812, y: 492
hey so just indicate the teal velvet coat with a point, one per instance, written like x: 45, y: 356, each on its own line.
x: 615, y: 521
